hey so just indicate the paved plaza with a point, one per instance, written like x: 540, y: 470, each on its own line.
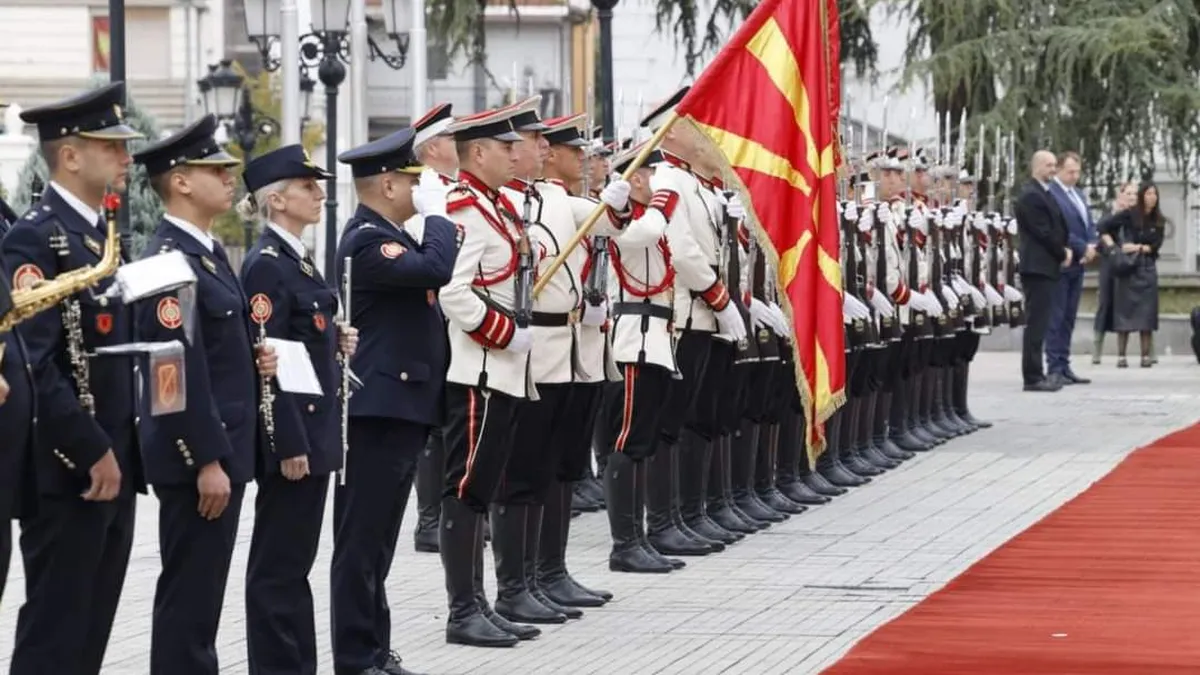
x: 789, y: 600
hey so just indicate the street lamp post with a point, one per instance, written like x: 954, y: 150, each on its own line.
x: 226, y: 96
x: 327, y: 48
x: 604, y: 11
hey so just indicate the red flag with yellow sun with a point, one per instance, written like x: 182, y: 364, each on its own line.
x: 769, y: 104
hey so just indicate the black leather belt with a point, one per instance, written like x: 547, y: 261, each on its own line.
x: 555, y: 319
x: 643, y: 309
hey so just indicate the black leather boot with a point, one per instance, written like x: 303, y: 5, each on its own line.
x: 582, y: 499
x: 866, y: 435
x: 628, y: 553
x: 916, y: 401
x: 514, y: 601
x: 662, y: 532
x: 721, y: 507
x: 764, y: 473
x: 431, y: 472
x: 695, y: 460
x: 697, y: 509
x: 829, y: 465
x: 928, y: 397
x: 937, y: 406
x: 522, y: 631
x: 552, y: 576
x: 533, y: 540
x: 962, y: 374
x: 745, y: 462
x: 639, y: 523
x: 465, y: 622
x: 789, y: 466
x: 948, y: 412
x: 849, y: 426
x: 881, y: 432
x: 900, y: 432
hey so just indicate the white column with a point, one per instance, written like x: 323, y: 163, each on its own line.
x: 289, y: 67
x: 417, y: 53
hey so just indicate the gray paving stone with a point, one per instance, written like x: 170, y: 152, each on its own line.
x: 789, y: 600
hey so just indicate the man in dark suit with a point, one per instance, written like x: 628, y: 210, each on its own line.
x: 1044, y: 254
x: 1081, y: 239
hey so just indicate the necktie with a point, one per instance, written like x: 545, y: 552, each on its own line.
x: 1079, y: 205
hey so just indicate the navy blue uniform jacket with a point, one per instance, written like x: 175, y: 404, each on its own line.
x: 402, y: 349
x: 221, y: 420
x: 18, y: 419
x: 50, y: 239
x: 302, y: 308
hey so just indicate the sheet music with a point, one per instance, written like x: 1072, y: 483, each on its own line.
x: 296, y: 374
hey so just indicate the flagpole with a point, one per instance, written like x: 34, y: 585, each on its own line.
x: 582, y: 230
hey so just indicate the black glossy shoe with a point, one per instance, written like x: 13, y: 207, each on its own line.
x: 775, y: 499
x: 521, y: 630
x: 564, y: 593
x: 672, y: 541
x: 637, y: 560
x: 858, y: 465
x: 875, y: 457
x: 887, y: 447
x: 1046, y: 385
x: 710, y: 529
x: 392, y: 666
x: 475, y: 630
x: 724, y: 515
x: 820, y: 485
x: 802, y: 493
x: 569, y: 612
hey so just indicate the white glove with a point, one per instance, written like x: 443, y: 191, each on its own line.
x: 929, y: 303
x: 916, y: 220
x: 880, y: 302
x: 760, y: 315
x: 995, y: 221
x: 954, y: 219
x: 735, y: 209
x: 616, y: 195
x: 594, y: 315
x: 979, y: 222
x: 994, y: 299
x: 662, y: 180
x: 884, y: 213
x: 850, y: 213
x: 730, y: 323
x: 429, y: 194
x: 1012, y: 295
x: 936, y: 217
x: 976, y: 297
x: 949, y: 296
x: 782, y: 326
x: 521, y: 342
x: 1011, y: 226
x: 960, y: 285
x: 866, y: 220
x: 852, y: 308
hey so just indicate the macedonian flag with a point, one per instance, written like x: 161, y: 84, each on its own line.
x: 769, y: 105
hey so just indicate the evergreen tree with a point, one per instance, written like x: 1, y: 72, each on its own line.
x: 460, y: 25
x: 144, y: 207
x: 1113, y: 79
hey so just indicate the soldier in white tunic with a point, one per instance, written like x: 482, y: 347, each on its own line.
x: 703, y: 309
x: 488, y: 375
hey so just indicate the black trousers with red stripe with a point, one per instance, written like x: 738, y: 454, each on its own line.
x: 692, y: 354
x: 583, y: 412
x: 541, y: 431
x: 479, y: 438
x: 632, y: 410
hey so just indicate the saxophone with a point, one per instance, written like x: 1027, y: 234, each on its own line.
x: 29, y: 302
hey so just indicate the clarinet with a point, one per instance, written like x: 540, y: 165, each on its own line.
x: 344, y: 361
x: 266, y: 403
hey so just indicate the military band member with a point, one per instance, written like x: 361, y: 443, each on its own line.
x: 76, y: 547
x: 434, y: 147
x: 198, y: 460
x: 702, y: 310
x: 401, y: 359
x: 489, y: 362
x: 18, y: 424
x: 569, y: 320
x: 643, y: 346
x: 290, y: 300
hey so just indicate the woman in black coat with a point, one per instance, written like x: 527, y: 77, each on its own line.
x: 1126, y: 197
x: 1137, y: 233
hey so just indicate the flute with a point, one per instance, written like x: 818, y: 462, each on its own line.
x: 347, y: 262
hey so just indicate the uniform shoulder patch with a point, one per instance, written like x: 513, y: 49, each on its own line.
x: 270, y: 250
x: 460, y: 198
x: 169, y: 313
x: 27, y: 276
x: 392, y: 249
x: 261, y: 308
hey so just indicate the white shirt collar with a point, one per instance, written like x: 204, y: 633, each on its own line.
x: 196, y: 233
x: 89, y: 214
x: 291, y: 239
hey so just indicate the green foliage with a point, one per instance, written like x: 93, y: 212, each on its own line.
x: 460, y: 24
x: 1113, y: 79
x: 144, y: 207
x: 266, y: 98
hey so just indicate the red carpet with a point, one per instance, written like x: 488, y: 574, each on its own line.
x: 1108, y: 583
